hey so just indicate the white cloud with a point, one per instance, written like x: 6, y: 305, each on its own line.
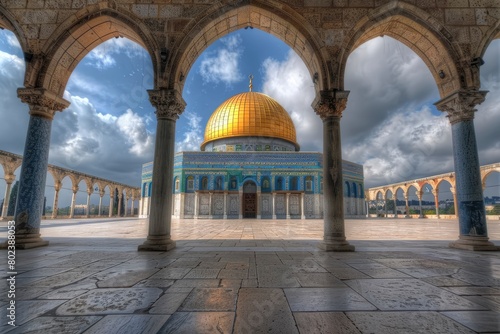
x: 222, y: 65
x: 133, y: 127
x: 103, y: 56
x: 193, y: 137
x: 290, y: 83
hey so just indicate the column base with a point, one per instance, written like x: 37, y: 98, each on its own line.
x: 474, y: 244
x: 335, y: 246
x: 159, y: 243
x: 26, y: 241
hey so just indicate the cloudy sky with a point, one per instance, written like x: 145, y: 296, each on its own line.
x: 390, y: 124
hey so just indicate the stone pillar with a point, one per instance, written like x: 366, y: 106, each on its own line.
x: 259, y: 213
x: 419, y: 196
x: 119, y: 210
x: 455, y: 203
x: 9, y: 178
x: 274, y: 206
x: 407, y: 206
x: 132, y: 206
x: 436, y: 201
x: 302, y: 206
x: 28, y: 214
x: 73, y: 202
x: 169, y: 105
x: 385, y: 207
x: 126, y: 205
x: 101, y: 195
x: 196, y: 199
x: 471, y: 212
x: 287, y: 206
x: 111, y: 203
x: 89, y: 192
x: 395, y: 199
x: 330, y: 107
x: 55, y: 207
x: 210, y: 211
x: 225, y: 206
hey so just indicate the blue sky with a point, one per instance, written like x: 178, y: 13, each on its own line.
x: 390, y: 125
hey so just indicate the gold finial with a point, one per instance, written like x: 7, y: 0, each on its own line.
x: 250, y: 86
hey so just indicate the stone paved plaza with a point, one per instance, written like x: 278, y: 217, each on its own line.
x: 254, y: 276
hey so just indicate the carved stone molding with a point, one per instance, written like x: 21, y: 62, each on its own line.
x: 331, y: 103
x: 42, y: 102
x: 169, y: 103
x: 460, y: 105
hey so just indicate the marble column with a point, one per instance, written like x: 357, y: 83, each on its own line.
x: 471, y: 212
x: 169, y: 105
x: 407, y: 206
x: 395, y: 199
x: 329, y: 107
x: 101, y: 195
x: 132, y: 206
x: 455, y: 202
x: 9, y: 178
x: 29, y: 205
x: 111, y: 203
x: 196, y: 199
x: 419, y: 196
x: 436, y: 202
x: 274, y: 206
x: 55, y: 207
x: 89, y: 193
x: 210, y: 211
x: 259, y: 213
x: 385, y: 207
x: 125, y: 208
x: 73, y: 202
x: 120, y: 198
x: 302, y: 206
x: 287, y: 206
x: 225, y: 206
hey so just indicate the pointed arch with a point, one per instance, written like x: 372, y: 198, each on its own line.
x: 77, y: 36
x: 280, y: 20
x: 418, y: 30
x: 7, y: 21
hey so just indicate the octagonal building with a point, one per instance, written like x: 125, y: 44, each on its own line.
x: 249, y: 166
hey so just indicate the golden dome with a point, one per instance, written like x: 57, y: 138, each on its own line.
x: 250, y: 114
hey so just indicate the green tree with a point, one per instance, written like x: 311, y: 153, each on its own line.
x: 495, y: 210
x: 13, y: 199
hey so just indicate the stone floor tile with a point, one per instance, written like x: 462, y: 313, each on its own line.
x: 169, y: 302
x: 279, y: 276
x: 311, y: 280
x: 405, y: 322
x: 128, y: 324
x: 444, y: 281
x: 202, y: 273
x: 199, y: 322
x: 233, y: 274
x: 477, y: 279
x: 479, y: 321
x: 324, y: 322
x: 196, y: 283
x: 230, y: 283
x: 154, y: 283
x: 326, y: 299
x: 70, y: 291
x: 346, y: 273
x: 262, y: 310
x: 485, y: 301
x: 409, y: 294
x: 429, y: 272
x: 210, y: 300
x: 473, y: 290
x: 62, y: 279
x: 249, y: 283
x: 56, y: 325
x: 171, y: 273
x: 42, y: 272
x: 27, y: 310
x: 124, y: 279
x: 110, y: 301
x: 383, y: 273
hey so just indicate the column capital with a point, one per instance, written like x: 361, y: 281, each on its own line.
x: 57, y: 185
x: 42, y: 102
x: 169, y: 103
x: 452, y: 190
x: 75, y: 189
x: 331, y: 103
x: 9, y: 178
x: 102, y: 193
x: 460, y: 105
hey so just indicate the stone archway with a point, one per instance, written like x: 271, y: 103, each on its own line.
x: 249, y: 200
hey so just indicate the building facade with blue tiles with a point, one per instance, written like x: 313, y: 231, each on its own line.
x: 250, y: 166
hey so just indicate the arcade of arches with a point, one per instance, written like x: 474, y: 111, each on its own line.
x: 10, y: 162
x: 449, y: 36
x: 432, y: 184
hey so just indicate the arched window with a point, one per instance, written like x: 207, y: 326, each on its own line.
x: 176, y: 184
x: 233, y: 183
x: 294, y: 183
x: 347, y: 189
x: 279, y: 183
x: 204, y: 183
x: 190, y: 183
x: 144, y: 189
x: 354, y: 190
x: 218, y: 183
x: 266, y: 185
x: 321, y: 185
x: 308, y: 184
x: 361, y: 193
